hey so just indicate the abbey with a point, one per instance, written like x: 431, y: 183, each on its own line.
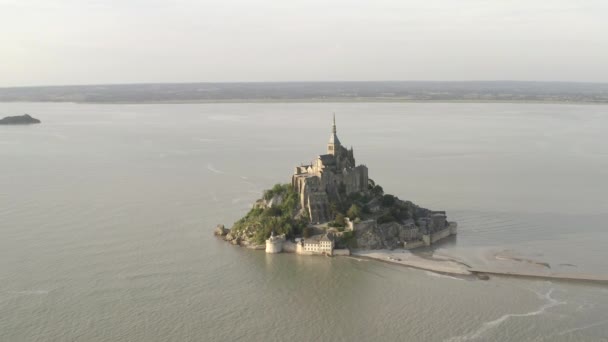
x: 330, y: 206
x: 330, y: 177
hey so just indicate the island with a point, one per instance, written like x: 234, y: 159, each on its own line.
x: 24, y: 119
x: 331, y: 207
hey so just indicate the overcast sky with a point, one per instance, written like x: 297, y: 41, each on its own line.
x: 45, y: 42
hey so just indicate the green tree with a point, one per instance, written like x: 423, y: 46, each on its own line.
x: 307, y: 232
x: 273, y: 211
x: 353, y: 212
x: 340, y: 220
x: 388, y: 200
x: 385, y: 219
x: 377, y: 190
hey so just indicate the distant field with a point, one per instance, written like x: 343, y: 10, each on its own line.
x: 399, y: 91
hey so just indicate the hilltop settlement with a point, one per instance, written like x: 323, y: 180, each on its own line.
x: 330, y: 207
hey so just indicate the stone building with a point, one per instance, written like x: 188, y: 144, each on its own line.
x: 329, y: 177
x: 316, y: 245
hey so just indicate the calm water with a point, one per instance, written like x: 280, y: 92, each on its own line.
x: 106, y: 214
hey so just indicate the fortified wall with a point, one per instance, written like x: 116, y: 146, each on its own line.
x: 408, y: 235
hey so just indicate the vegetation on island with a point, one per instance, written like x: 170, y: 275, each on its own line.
x: 283, y: 217
x: 279, y: 210
x: 374, y: 204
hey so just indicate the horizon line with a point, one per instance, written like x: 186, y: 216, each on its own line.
x: 293, y: 82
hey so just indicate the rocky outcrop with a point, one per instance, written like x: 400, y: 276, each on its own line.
x: 235, y: 240
x: 220, y: 230
x: 24, y: 119
x: 275, y: 201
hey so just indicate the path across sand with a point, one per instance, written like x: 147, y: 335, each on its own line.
x: 450, y: 266
x: 407, y: 258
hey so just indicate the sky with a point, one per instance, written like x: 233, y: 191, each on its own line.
x: 53, y: 42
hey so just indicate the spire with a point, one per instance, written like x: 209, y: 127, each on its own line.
x: 333, y: 128
x: 334, y: 143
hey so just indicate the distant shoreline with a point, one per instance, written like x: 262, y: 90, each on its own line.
x: 317, y: 92
x: 295, y: 101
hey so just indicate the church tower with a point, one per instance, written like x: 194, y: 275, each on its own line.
x: 334, y: 143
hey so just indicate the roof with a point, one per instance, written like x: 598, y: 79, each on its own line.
x: 333, y: 139
x: 326, y: 238
x: 316, y: 239
x: 327, y: 158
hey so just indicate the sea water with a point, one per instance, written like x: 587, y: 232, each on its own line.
x: 107, y: 213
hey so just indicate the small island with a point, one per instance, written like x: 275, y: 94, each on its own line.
x: 24, y: 119
x: 332, y: 207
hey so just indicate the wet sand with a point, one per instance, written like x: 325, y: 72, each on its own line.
x: 451, y: 266
x: 407, y: 258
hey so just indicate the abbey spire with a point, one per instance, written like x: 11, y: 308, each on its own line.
x: 333, y: 129
x: 334, y: 143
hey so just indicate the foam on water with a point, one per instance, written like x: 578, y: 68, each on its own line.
x: 211, y: 168
x: 487, y: 326
x: 584, y: 327
x: 30, y: 292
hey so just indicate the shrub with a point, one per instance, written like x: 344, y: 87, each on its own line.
x: 377, y: 190
x: 398, y: 213
x: 340, y: 220
x: 388, y: 200
x: 353, y: 212
x: 386, y: 218
x: 273, y: 211
x: 280, y: 218
x: 276, y: 190
x: 307, y: 232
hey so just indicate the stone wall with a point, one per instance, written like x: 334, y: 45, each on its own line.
x: 343, y: 252
x: 453, y: 227
x: 414, y: 244
x: 275, y: 244
x: 442, y: 234
x: 449, y: 230
x: 289, y: 247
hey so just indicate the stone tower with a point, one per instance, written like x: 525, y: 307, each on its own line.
x: 334, y: 143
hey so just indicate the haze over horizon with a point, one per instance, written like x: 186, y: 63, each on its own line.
x: 68, y: 42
